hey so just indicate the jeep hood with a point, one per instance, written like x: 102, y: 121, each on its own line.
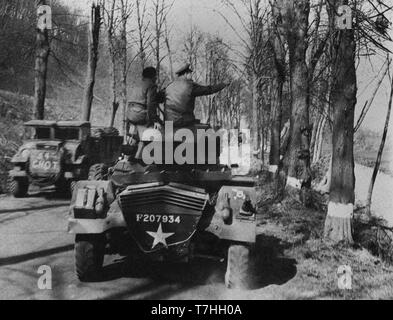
x: 70, y: 147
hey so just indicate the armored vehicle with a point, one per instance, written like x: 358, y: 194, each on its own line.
x: 61, y: 153
x: 165, y: 212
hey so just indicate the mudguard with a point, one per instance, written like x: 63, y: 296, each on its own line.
x: 242, y: 227
x: 18, y: 158
x: 23, y: 157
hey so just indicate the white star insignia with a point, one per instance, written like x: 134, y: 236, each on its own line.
x: 159, y: 236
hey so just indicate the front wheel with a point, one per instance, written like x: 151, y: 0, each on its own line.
x: 18, y: 187
x: 89, y: 256
x: 238, y: 266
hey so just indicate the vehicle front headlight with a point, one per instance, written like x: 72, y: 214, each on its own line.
x: 25, y: 153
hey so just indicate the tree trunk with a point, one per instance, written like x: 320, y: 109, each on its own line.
x: 275, y: 128
x: 123, y: 53
x: 338, y: 223
x: 112, y: 59
x: 255, y: 126
x: 170, y: 54
x: 277, y: 90
x: 40, y: 69
x: 115, y: 107
x: 319, y: 140
x: 141, y: 12
x: 299, y: 172
x: 115, y: 103
x: 324, y: 186
x: 94, y: 34
x: 380, y: 152
x: 315, y: 131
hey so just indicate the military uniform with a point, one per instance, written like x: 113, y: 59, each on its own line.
x: 142, y: 110
x: 180, y: 98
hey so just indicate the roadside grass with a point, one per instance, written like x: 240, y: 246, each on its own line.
x: 299, y: 232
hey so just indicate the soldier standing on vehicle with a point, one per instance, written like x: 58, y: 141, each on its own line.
x: 142, y: 110
x: 181, y: 94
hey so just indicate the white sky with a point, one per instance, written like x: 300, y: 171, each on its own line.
x: 201, y: 14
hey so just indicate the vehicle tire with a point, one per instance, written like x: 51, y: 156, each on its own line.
x: 18, y: 187
x: 72, y: 186
x: 63, y: 187
x: 89, y: 256
x: 98, y: 172
x: 238, y: 266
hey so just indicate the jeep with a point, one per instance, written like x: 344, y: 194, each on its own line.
x: 61, y: 153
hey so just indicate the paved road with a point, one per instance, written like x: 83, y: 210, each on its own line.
x: 33, y: 233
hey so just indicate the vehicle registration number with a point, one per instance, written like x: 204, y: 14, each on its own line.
x: 157, y: 218
x: 45, y: 161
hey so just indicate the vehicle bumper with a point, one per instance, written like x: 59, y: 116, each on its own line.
x: 17, y: 173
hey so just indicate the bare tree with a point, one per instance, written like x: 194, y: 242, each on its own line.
x: 94, y: 35
x: 254, y: 40
x: 111, y: 22
x: 169, y: 50
x: 369, y: 103
x: 338, y: 223
x: 193, y: 46
x: 277, y: 43
x: 161, y: 10
x: 116, y: 19
x: 41, y: 68
x: 125, y: 12
x: 381, y: 148
x: 142, y: 28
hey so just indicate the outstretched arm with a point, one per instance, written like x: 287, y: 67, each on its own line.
x: 199, y: 90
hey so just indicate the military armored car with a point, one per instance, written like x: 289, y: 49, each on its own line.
x: 165, y: 212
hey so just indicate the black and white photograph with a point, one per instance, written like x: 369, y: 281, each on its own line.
x: 214, y: 152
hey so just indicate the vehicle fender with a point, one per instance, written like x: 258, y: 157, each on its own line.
x: 19, y: 159
x: 241, y: 227
x: 74, y: 153
x: 22, y: 156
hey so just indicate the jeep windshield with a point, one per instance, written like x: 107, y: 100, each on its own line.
x: 67, y: 133
x: 42, y: 133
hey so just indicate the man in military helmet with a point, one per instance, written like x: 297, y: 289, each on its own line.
x: 180, y: 97
x: 142, y: 111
